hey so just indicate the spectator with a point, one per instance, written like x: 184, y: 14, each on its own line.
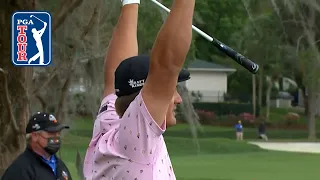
x: 262, y: 131
x: 239, y: 130
x: 38, y: 161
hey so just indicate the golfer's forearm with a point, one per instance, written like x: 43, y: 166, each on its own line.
x: 174, y: 39
x: 123, y: 43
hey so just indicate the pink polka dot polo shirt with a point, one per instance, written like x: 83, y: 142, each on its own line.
x: 131, y: 148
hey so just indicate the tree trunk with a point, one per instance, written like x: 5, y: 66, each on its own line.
x: 305, y: 101
x: 14, y: 84
x: 260, y: 92
x: 311, y: 115
x: 189, y: 113
x: 254, y: 96
x: 268, y: 94
x: 60, y: 109
x: 317, y: 105
x: 43, y: 103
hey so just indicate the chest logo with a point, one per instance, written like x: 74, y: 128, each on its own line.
x: 64, y: 175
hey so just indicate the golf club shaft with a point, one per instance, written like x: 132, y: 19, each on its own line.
x: 37, y: 18
x: 240, y: 59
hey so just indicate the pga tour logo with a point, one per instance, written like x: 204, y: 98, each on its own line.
x: 31, y: 38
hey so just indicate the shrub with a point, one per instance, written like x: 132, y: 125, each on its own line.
x: 225, y: 108
x: 291, y: 119
x: 206, y: 117
x: 247, y: 117
x: 209, y: 118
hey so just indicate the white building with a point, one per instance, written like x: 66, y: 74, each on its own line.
x: 209, y: 80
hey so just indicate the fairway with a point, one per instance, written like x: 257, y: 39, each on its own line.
x: 247, y: 166
x: 219, y: 158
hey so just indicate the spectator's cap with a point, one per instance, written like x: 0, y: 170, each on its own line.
x: 131, y: 74
x: 44, y: 121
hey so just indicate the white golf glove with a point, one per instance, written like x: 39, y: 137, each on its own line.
x: 125, y: 2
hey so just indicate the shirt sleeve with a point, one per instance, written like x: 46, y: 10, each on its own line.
x: 138, y: 133
x: 106, y: 120
x: 106, y: 116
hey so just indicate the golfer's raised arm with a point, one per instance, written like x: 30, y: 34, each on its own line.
x: 167, y: 58
x: 123, y: 44
x: 43, y: 29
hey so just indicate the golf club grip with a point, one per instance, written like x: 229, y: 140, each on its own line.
x: 240, y: 59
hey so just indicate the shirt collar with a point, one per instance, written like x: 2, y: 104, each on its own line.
x: 53, y: 158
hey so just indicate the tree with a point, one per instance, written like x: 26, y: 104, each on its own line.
x: 220, y: 19
x: 16, y: 82
x: 304, y: 35
x: 260, y: 41
x: 294, y: 23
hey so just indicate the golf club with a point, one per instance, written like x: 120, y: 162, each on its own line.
x: 37, y: 18
x: 240, y: 59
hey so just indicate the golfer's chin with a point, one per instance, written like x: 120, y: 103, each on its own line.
x: 171, y: 122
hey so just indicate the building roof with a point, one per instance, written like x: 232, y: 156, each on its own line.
x: 199, y: 64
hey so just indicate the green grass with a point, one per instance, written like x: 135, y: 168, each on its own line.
x: 228, y: 132
x: 220, y: 157
x: 247, y: 166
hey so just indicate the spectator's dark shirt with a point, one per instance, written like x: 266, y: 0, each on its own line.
x: 31, y: 166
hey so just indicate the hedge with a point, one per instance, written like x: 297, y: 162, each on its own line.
x: 221, y: 109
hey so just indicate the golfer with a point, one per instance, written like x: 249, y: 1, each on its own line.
x: 133, y: 147
x: 262, y: 131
